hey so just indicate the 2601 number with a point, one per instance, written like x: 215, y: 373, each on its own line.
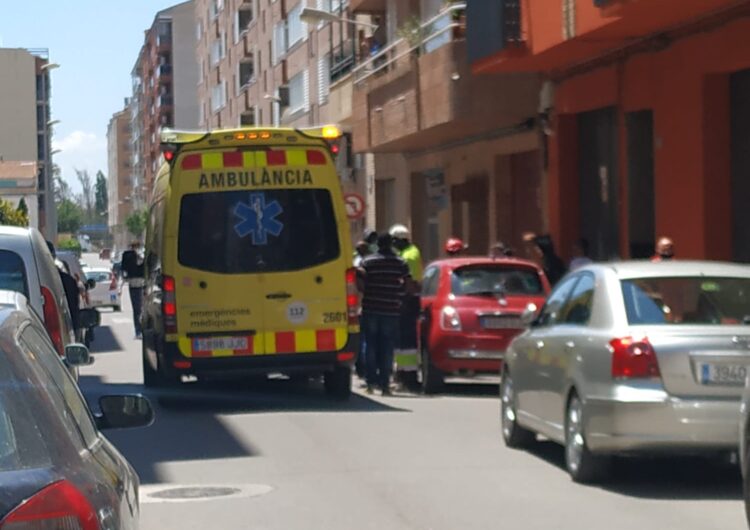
x: 333, y: 317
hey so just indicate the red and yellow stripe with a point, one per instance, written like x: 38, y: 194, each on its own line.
x: 253, y: 159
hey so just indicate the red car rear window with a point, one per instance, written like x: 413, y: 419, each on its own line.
x: 492, y: 280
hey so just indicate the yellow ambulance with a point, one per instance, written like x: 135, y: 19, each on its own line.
x: 248, y: 259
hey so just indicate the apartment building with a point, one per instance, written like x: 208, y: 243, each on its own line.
x: 25, y: 126
x: 165, y: 89
x: 455, y: 154
x: 648, y: 118
x: 119, y: 175
x: 261, y: 64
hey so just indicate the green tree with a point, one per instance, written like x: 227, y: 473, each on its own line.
x: 136, y: 222
x: 23, y: 207
x: 12, y: 216
x: 69, y: 216
x: 87, y: 195
x: 101, y: 199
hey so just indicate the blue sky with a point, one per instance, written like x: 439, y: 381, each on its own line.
x: 96, y: 43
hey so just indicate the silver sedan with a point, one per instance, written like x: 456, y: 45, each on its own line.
x: 629, y: 358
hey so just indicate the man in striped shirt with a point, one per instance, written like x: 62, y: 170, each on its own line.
x: 385, y: 283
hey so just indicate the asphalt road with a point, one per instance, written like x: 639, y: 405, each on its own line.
x: 282, y: 456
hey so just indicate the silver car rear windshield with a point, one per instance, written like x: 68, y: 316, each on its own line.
x: 687, y: 300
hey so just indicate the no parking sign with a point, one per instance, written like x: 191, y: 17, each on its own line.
x: 355, y: 206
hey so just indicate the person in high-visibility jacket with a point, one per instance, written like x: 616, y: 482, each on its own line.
x: 406, y: 355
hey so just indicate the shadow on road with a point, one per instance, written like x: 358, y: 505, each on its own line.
x: 188, y: 424
x: 668, y: 478
x: 105, y: 341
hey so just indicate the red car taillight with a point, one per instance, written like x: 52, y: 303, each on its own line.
x: 169, y: 304
x: 352, y: 297
x: 53, y: 320
x: 450, y: 320
x: 633, y: 359
x: 57, y: 507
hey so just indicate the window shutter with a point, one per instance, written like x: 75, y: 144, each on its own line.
x: 306, y: 89
x: 324, y: 78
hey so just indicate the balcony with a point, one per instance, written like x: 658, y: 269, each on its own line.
x: 164, y: 100
x: 420, y: 94
x: 343, y: 59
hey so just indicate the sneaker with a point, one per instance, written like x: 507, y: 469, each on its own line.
x: 387, y: 392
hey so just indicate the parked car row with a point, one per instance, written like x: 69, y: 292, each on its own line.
x: 56, y: 468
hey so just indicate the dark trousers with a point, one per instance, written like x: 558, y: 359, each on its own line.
x: 136, y: 300
x: 409, y: 317
x: 381, y: 336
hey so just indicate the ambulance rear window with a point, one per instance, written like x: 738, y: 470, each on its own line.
x: 260, y: 231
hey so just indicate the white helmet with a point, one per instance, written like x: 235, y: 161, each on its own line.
x: 399, y: 232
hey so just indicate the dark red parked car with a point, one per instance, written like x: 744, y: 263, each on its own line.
x: 471, y: 310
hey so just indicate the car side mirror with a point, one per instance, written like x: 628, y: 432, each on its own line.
x: 89, y: 317
x: 124, y: 412
x: 78, y: 355
x: 90, y: 284
x: 529, y: 315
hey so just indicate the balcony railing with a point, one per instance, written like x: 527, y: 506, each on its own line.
x: 164, y: 100
x: 444, y: 28
x: 343, y: 59
x: 164, y: 70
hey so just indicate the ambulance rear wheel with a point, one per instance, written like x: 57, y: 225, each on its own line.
x: 156, y: 378
x: 338, y: 382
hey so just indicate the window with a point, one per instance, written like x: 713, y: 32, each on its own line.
x: 63, y: 390
x: 280, y: 42
x: 299, y: 93
x: 430, y: 281
x: 219, y: 96
x: 245, y: 17
x: 551, y: 311
x: 221, y: 247
x: 324, y: 79
x: 246, y: 73
x: 578, y: 309
x: 215, y: 52
x: 687, y: 300
x: 213, y: 9
x: 247, y: 118
x: 13, y: 273
x: 297, y: 29
x: 199, y: 30
x: 495, y: 280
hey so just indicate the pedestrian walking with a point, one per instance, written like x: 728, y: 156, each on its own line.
x: 580, y: 255
x: 133, y: 271
x: 385, y: 283
x: 454, y: 247
x: 664, y: 250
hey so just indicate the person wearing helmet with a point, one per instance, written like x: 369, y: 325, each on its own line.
x: 406, y: 353
x: 455, y: 247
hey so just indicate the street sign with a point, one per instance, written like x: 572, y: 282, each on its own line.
x: 355, y: 206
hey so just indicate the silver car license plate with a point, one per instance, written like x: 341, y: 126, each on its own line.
x: 723, y: 374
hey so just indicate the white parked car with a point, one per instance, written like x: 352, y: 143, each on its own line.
x: 106, y: 292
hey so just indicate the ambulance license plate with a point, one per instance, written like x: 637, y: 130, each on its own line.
x: 220, y: 343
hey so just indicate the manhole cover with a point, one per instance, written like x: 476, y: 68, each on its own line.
x: 195, y: 493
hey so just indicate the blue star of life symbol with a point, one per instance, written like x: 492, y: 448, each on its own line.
x: 258, y: 219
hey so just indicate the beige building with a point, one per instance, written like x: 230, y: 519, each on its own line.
x: 119, y: 175
x: 454, y: 154
x: 165, y: 89
x: 261, y: 64
x: 18, y: 181
x: 25, y: 124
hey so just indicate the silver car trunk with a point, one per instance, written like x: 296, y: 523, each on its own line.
x: 700, y: 360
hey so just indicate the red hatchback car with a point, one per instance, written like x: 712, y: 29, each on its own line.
x: 471, y: 310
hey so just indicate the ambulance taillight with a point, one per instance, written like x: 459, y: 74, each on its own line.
x: 169, y: 304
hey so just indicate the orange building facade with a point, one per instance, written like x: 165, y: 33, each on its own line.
x: 646, y: 115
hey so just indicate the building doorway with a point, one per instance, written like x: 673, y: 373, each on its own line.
x: 424, y: 213
x: 739, y: 86
x: 470, y: 213
x: 597, y: 155
x: 641, y: 209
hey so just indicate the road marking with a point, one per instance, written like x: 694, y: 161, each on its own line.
x: 170, y: 493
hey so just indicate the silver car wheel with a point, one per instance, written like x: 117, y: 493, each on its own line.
x: 574, y: 441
